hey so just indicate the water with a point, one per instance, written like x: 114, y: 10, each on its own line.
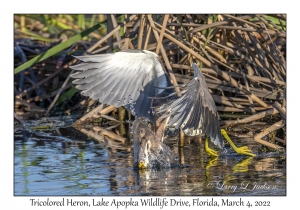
x: 62, y: 161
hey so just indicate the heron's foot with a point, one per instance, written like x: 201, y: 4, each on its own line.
x: 244, y: 150
x: 209, y: 151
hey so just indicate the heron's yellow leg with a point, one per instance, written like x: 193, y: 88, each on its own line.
x: 240, y: 150
x: 208, y: 150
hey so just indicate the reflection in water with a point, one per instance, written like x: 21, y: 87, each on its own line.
x: 47, y: 164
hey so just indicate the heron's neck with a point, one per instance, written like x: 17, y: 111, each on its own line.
x: 160, y: 123
x: 160, y: 126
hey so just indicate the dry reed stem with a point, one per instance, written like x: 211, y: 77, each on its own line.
x: 233, y: 109
x: 112, y: 127
x: 119, y: 43
x: 105, y: 132
x: 162, y: 50
x: 58, y: 93
x: 181, y: 138
x: 257, y: 78
x: 109, y: 34
x: 46, y: 79
x: 181, y: 66
x: 114, y: 22
x: 226, y: 122
x: 32, y: 107
x: 223, y: 74
x: 215, y: 53
x: 265, y: 64
x: 250, y: 99
x: 93, y: 135
x: 254, y: 117
x: 280, y: 140
x: 147, y: 37
x: 239, y: 135
x: 141, y: 32
x: 207, y: 26
x: 102, y: 113
x: 50, y: 95
x: 161, y: 34
x: 232, y: 99
x: 281, y: 110
x: 106, y: 117
x: 90, y: 114
x: 109, y: 27
x: 224, y: 101
x: 246, y: 58
x: 20, y: 119
x: 130, y: 44
x: 242, y: 20
x: 252, y: 30
x: 107, y: 110
x: 101, y: 49
x: 274, y: 127
x: 213, y: 84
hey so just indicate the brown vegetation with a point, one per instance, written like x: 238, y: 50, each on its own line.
x: 242, y: 57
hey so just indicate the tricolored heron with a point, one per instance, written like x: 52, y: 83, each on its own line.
x: 137, y: 80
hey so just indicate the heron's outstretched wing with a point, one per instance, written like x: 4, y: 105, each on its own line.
x: 195, y: 111
x: 127, y: 78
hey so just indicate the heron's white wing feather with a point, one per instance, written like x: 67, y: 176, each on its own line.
x: 127, y: 78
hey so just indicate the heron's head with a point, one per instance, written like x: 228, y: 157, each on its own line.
x: 149, y: 151
x: 141, y: 132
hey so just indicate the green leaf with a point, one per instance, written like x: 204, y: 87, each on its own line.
x: 56, y: 49
x: 41, y: 127
x: 276, y: 20
x: 67, y: 95
x: 35, y: 36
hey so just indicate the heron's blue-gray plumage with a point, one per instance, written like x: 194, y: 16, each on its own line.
x: 195, y: 111
x: 132, y: 78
